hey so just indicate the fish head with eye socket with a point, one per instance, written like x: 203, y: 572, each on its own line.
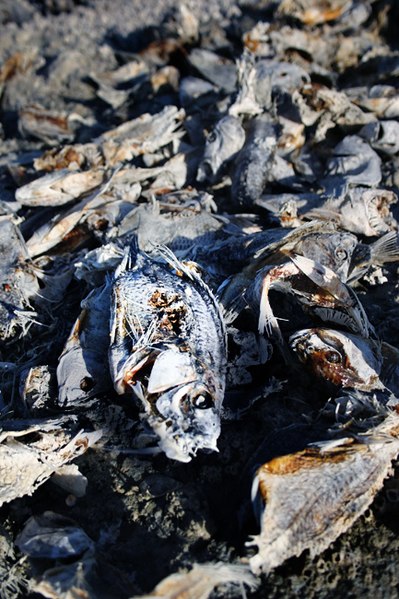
x: 343, y: 359
x: 182, y: 399
x: 333, y: 250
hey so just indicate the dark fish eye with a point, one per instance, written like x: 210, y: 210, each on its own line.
x: 203, y: 401
x: 333, y: 357
x: 86, y: 384
x: 341, y: 254
x: 211, y: 137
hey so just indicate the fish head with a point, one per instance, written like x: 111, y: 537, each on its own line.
x: 222, y: 144
x: 186, y: 419
x: 181, y: 398
x: 333, y: 250
x: 346, y: 360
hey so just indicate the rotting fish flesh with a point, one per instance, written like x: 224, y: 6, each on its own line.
x: 346, y: 360
x: 168, y: 347
x: 307, y: 499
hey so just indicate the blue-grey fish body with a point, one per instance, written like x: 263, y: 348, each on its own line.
x: 168, y: 346
x: 82, y: 370
x: 253, y: 162
x: 222, y: 144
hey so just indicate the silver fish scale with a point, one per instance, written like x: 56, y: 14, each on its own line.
x: 183, y: 311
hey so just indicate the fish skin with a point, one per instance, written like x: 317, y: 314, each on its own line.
x: 159, y: 307
x: 82, y: 367
x: 344, y: 359
x: 222, y: 144
x: 314, y: 495
x: 253, y: 162
x: 18, y: 281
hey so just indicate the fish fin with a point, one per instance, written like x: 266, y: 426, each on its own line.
x: 385, y: 249
x: 323, y: 277
x: 172, y: 260
x: 267, y: 323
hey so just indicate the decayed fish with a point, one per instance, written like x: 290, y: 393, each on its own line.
x: 346, y: 360
x: 317, y: 288
x: 222, y: 144
x: 168, y: 347
x: 82, y: 370
x: 201, y: 580
x: 18, y: 281
x: 143, y: 135
x: 59, y: 187
x: 253, y: 162
x: 47, y: 125
x: 307, y: 499
x: 356, y: 161
x: 31, y: 453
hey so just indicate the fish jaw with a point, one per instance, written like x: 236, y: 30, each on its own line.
x: 343, y: 359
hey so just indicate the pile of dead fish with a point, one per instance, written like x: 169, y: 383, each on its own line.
x: 217, y: 217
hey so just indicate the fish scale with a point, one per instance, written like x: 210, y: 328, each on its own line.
x: 168, y: 347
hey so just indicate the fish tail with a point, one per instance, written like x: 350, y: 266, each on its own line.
x: 385, y: 249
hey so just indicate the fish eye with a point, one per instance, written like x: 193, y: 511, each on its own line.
x: 333, y: 357
x: 341, y: 254
x: 87, y: 383
x: 211, y: 137
x: 203, y: 401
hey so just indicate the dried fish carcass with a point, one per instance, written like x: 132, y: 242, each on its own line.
x: 82, y: 370
x: 344, y: 359
x: 18, y: 281
x: 168, y: 347
x: 145, y: 134
x: 222, y: 145
x: 307, y: 499
x: 253, y: 162
x: 59, y: 187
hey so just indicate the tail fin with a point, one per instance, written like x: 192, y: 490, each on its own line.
x: 385, y: 249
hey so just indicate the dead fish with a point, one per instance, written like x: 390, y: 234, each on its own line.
x: 311, y: 12
x: 334, y: 250
x: 382, y: 251
x: 82, y: 370
x: 382, y: 100
x: 59, y: 187
x: 178, y: 227
x: 356, y: 161
x: 222, y: 145
x: 382, y: 136
x: 359, y: 210
x: 18, y: 281
x: 73, y: 157
x: 145, y: 134
x: 269, y: 247
x: 278, y: 75
x: 31, y: 453
x: 47, y: 125
x: 307, y: 499
x: 195, y: 93
x: 317, y: 288
x: 326, y: 108
x: 246, y: 102
x: 253, y: 163
x: 168, y: 347
x: 215, y: 68
x: 95, y: 216
x: 346, y: 360
x: 201, y: 580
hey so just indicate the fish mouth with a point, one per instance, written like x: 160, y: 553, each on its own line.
x: 186, y: 420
